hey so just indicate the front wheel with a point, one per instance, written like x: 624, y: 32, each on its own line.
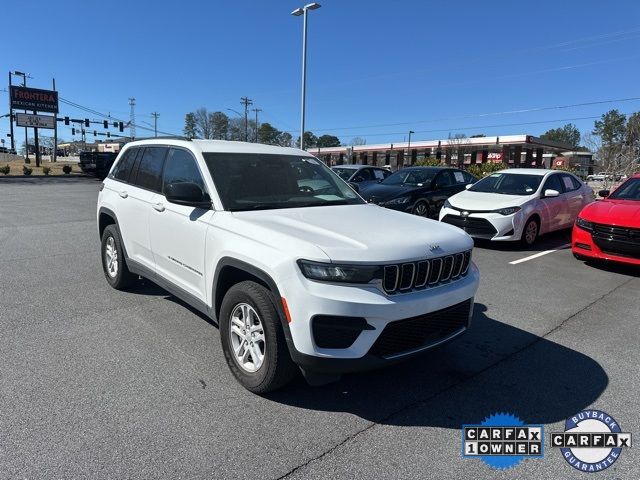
x: 421, y: 209
x: 113, y: 261
x: 530, y: 232
x: 253, y: 339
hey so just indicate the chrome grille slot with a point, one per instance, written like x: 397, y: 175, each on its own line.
x: 436, y: 271
x: 390, y: 280
x: 457, y: 265
x: 422, y: 274
x: 407, y: 276
x: 447, y: 268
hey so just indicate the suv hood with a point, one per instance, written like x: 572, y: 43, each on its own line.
x: 468, y: 200
x: 353, y: 233
x: 624, y: 213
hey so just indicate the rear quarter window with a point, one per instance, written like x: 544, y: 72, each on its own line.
x: 122, y: 170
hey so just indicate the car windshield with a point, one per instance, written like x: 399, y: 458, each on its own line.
x: 252, y: 181
x: 344, y: 173
x: 629, y: 190
x: 508, y: 184
x: 410, y: 177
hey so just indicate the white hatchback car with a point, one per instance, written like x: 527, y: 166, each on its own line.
x: 518, y: 204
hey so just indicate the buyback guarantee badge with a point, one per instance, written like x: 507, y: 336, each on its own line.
x: 502, y: 441
x: 592, y: 441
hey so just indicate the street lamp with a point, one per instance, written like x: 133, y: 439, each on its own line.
x: 298, y: 12
x: 26, y: 137
x: 409, y: 146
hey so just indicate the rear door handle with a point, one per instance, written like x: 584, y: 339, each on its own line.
x: 158, y: 207
x: 123, y: 194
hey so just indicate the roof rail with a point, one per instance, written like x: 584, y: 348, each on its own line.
x: 167, y: 137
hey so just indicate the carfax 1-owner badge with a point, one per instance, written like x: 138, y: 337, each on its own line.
x: 592, y: 441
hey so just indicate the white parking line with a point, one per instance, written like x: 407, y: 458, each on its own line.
x: 531, y: 257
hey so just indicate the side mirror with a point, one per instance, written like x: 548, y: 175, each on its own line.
x: 604, y: 193
x: 549, y: 193
x: 468, y: 186
x: 355, y: 186
x: 357, y: 179
x: 188, y: 194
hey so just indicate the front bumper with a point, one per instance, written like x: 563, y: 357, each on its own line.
x: 582, y: 244
x: 309, y: 299
x: 489, y: 226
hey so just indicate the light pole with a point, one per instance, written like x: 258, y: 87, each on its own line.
x: 26, y: 138
x: 297, y: 12
x: 256, y: 110
x: 409, y: 146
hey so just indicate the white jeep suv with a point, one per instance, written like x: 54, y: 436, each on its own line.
x: 293, y: 276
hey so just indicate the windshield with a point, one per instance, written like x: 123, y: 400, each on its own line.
x: 629, y: 190
x: 252, y: 181
x: 344, y: 173
x: 508, y: 184
x: 410, y: 177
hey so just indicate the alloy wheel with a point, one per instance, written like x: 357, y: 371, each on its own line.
x: 247, y: 337
x: 531, y: 233
x: 111, y: 257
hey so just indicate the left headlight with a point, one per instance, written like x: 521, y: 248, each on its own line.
x: 584, y: 225
x: 397, y: 201
x: 508, y: 210
x: 331, y: 272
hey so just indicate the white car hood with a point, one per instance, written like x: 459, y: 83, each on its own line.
x: 468, y: 200
x: 353, y: 233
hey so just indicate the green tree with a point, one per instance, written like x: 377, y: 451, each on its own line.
x: 569, y: 133
x: 284, y: 139
x: 310, y: 140
x: 478, y: 135
x: 219, y: 122
x: 328, y: 141
x: 190, y: 130
x: 611, y: 128
x: 268, y: 134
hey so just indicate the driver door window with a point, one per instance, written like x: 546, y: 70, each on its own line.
x: 180, y: 166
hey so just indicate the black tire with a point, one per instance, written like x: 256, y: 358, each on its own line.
x: 122, y: 278
x: 277, y: 368
x: 421, y: 209
x: 525, y: 240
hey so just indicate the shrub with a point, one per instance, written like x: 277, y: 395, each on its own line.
x: 27, y: 170
x: 5, y: 170
x: 67, y: 169
x: 46, y: 170
x: 481, y: 170
x: 428, y: 162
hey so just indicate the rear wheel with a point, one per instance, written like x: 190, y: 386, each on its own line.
x: 253, y: 340
x: 530, y: 232
x: 113, y: 262
x: 421, y: 208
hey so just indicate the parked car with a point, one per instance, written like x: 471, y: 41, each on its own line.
x: 600, y: 176
x: 362, y: 175
x: 97, y: 163
x: 321, y: 281
x: 518, y: 204
x: 418, y: 190
x: 610, y: 229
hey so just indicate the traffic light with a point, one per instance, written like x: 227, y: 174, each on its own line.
x: 94, y: 133
x: 121, y: 126
x: 73, y: 131
x: 108, y: 134
x: 66, y: 120
x: 86, y: 122
x: 106, y: 124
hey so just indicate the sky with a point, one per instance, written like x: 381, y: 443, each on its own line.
x: 376, y: 69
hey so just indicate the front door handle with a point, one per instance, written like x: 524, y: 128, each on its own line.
x: 158, y: 207
x: 123, y: 194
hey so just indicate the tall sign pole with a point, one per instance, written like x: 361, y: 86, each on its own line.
x: 54, y: 154
x: 13, y: 144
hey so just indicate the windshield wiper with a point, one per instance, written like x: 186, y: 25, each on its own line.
x: 257, y: 206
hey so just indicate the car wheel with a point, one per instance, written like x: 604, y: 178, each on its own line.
x: 113, y: 262
x: 530, y: 232
x: 253, y: 340
x: 421, y: 209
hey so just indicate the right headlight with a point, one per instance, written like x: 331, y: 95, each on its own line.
x: 331, y: 272
x: 584, y: 225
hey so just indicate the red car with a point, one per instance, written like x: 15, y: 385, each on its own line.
x: 610, y: 229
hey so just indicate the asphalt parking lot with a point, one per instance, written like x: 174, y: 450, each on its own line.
x: 105, y: 384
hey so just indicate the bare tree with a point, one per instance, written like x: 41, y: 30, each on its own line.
x: 203, y: 123
x: 617, y: 159
x: 459, y: 143
x: 358, y: 141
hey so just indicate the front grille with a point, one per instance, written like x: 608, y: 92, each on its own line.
x: 425, y: 273
x: 471, y: 225
x: 616, y: 240
x: 404, y: 336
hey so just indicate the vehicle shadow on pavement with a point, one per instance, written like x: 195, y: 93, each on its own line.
x: 550, y: 241
x: 494, y: 367
x: 613, y: 267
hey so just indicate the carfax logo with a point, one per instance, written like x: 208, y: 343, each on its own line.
x: 592, y: 441
x: 502, y: 441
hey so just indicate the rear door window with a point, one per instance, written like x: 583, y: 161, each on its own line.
x: 124, y: 166
x: 149, y: 173
x: 553, y: 183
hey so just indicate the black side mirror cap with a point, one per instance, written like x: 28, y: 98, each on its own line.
x: 187, y: 194
x: 604, y: 193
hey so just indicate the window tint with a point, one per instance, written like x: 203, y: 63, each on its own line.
x: 553, y: 183
x: 444, y: 179
x: 570, y: 182
x: 365, y: 173
x: 468, y: 178
x: 380, y: 174
x: 123, y: 167
x: 180, y: 166
x: 149, y: 172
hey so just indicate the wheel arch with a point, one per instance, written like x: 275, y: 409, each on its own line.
x: 106, y: 217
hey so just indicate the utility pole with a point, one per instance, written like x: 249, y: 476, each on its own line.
x: 246, y: 102
x: 13, y: 143
x: 132, y: 118
x: 155, y: 116
x: 409, y: 146
x: 256, y: 110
